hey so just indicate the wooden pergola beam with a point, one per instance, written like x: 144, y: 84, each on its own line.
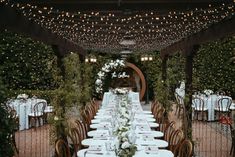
x: 216, y: 31
x: 15, y: 21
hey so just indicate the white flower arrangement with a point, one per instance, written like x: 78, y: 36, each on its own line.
x: 106, y: 69
x: 22, y: 96
x: 120, y: 91
x: 125, y: 147
x: 208, y: 92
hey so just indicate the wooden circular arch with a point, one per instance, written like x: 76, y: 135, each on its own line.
x: 142, y: 78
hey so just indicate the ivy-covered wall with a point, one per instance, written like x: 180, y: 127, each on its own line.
x: 25, y: 64
x: 212, y: 67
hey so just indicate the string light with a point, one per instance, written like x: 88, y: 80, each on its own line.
x: 91, y: 59
x: 102, y: 31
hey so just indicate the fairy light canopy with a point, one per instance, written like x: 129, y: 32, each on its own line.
x: 103, y: 25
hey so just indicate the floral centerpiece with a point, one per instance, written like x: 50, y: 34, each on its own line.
x: 22, y: 96
x: 120, y: 91
x: 208, y: 92
x: 106, y: 69
x: 126, y: 146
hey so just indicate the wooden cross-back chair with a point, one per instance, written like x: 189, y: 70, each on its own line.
x: 159, y: 115
x: 184, y: 149
x: 62, y: 148
x: 168, y: 130
x: 176, y: 138
x: 75, y: 136
x: 82, y: 129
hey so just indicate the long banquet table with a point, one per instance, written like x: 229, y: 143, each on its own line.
x: 145, y: 137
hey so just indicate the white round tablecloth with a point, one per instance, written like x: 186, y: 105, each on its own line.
x: 23, y: 108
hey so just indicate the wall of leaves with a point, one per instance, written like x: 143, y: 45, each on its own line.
x: 25, y: 64
x: 213, y: 68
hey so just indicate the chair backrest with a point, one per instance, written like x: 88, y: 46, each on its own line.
x: 86, y: 118
x: 153, y: 106
x: 39, y: 107
x: 168, y: 130
x: 62, y: 148
x: 91, y: 110
x: 75, y: 136
x: 82, y: 129
x: 159, y: 116
x: 224, y: 104
x: 176, y: 138
x: 198, y: 103
x: 184, y: 149
x: 157, y: 106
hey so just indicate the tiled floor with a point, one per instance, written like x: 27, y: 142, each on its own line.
x: 209, y: 142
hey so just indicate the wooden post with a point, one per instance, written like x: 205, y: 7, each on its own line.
x: 187, y: 115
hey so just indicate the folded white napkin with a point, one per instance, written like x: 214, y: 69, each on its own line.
x: 95, y: 149
x: 151, y: 149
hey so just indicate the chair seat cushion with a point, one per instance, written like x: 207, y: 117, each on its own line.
x: 36, y: 114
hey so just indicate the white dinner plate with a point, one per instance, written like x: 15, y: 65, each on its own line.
x: 155, y: 142
x: 147, y: 112
x: 103, y: 117
x: 81, y: 153
x: 91, y: 141
x: 103, y: 125
x: 153, y: 125
x: 98, y: 132
x: 150, y: 133
x: 161, y: 153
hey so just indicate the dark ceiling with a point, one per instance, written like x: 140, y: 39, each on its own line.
x: 100, y: 25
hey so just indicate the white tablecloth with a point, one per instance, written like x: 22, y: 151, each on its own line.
x: 23, y: 108
x: 210, y: 102
x: 145, y: 136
